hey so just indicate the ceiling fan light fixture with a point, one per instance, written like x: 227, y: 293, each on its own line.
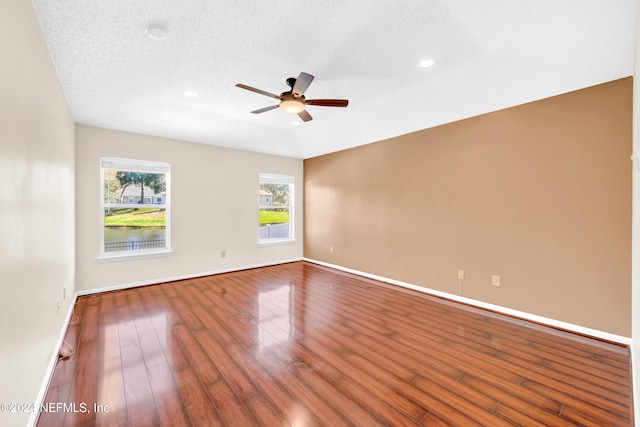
x: 292, y: 105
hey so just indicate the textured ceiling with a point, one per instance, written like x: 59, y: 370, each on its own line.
x: 490, y: 55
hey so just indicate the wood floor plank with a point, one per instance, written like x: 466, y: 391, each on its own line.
x: 364, y: 396
x: 273, y: 390
x: 264, y: 412
x: 201, y: 410
x: 171, y: 409
x: 137, y: 387
x: 232, y: 410
x: 403, y: 403
x: 518, y: 399
x: 55, y: 394
x: 334, y: 396
x: 201, y: 363
x: 229, y: 370
x: 307, y: 396
x: 302, y: 344
x: 83, y: 391
x: 111, y: 394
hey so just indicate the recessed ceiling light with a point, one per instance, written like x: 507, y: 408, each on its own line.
x: 190, y: 94
x: 295, y: 123
x: 156, y: 32
x: 426, y: 63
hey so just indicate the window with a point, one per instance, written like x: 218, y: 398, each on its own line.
x: 275, y: 194
x: 135, y: 207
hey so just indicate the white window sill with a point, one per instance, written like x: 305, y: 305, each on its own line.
x: 273, y: 242
x: 123, y: 256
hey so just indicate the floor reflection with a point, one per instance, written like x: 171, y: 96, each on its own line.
x: 275, y: 315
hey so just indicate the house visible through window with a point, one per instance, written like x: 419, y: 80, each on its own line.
x: 135, y: 207
x: 275, y: 194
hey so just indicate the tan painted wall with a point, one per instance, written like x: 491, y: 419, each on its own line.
x: 214, y: 193
x: 37, y: 238
x: 538, y: 194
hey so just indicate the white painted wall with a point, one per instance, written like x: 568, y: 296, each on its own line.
x: 214, y: 208
x: 37, y: 231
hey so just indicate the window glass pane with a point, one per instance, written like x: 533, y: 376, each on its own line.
x: 276, y: 194
x: 131, y: 229
x: 275, y: 209
x: 112, y: 189
x: 134, y: 187
x: 274, y: 223
x: 135, y: 206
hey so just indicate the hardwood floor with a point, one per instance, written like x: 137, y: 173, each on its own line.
x: 303, y: 345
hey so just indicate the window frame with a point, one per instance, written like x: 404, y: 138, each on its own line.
x: 272, y: 178
x: 135, y: 165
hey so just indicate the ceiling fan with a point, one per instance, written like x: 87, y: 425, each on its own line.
x: 294, y: 101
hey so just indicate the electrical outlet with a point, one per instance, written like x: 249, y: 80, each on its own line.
x: 330, y: 249
x: 461, y: 274
x: 64, y: 293
x: 495, y: 281
x: 223, y: 254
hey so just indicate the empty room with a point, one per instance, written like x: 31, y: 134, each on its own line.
x: 218, y: 213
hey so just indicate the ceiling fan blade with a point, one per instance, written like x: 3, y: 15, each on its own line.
x: 302, y: 84
x: 261, y: 92
x: 262, y: 110
x: 328, y: 102
x: 305, y: 116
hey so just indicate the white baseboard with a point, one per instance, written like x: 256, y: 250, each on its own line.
x: 504, y: 310
x: 181, y: 277
x: 33, y: 419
